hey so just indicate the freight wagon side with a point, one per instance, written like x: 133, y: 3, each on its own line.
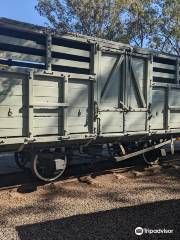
x: 46, y: 86
x: 138, y: 93
x: 60, y: 94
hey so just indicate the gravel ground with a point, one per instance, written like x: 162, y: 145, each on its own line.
x: 106, y: 206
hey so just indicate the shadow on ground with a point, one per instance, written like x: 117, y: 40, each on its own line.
x: 112, y: 224
x: 23, y: 178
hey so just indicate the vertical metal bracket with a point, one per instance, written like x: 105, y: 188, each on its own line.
x: 30, y: 103
x: 65, y: 99
x: 167, y: 109
x: 48, y: 52
x: 92, y: 56
x: 149, y: 91
x: 177, y: 71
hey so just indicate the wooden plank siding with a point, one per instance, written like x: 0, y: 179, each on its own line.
x: 72, y: 74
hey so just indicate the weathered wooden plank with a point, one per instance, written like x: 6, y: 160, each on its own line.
x: 77, y: 129
x: 135, y: 121
x: 114, y: 68
x: 111, y: 124
x: 163, y: 66
x: 16, y: 111
x: 45, y: 91
x: 72, y: 51
x: 45, y: 100
x: 11, y: 122
x: 78, y: 93
x: 69, y: 63
x: 83, y: 85
x: 174, y: 97
x: 54, y: 130
x: 48, y: 104
x: 15, y: 90
x: 165, y: 56
x: 11, y: 79
x: 45, y: 83
x: 163, y: 75
x: 43, y: 122
x: 77, y: 121
x: 72, y: 75
x: 12, y: 101
x: 6, y: 132
x: 139, y: 66
x: 54, y: 121
x: 77, y: 111
x: 77, y: 102
x: 20, y: 42
x: 175, y: 120
x: 21, y: 56
x: 138, y: 88
x: 46, y: 131
x: 156, y: 125
x: 54, y: 112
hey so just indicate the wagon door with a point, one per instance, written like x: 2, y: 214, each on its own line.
x: 109, y: 80
x: 122, y: 93
x: 80, y: 106
x: 135, y: 88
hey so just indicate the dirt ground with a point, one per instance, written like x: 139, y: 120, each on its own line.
x: 106, y: 206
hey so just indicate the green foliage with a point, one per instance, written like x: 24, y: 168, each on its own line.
x: 144, y: 23
x: 100, y: 18
x: 141, y: 22
x: 168, y: 37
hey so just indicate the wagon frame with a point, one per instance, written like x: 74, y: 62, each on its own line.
x: 71, y: 91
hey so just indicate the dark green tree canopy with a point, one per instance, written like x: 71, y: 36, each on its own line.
x: 100, y: 18
x: 144, y: 23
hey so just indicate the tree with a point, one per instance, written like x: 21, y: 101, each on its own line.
x: 100, y: 18
x: 168, y: 37
x: 140, y: 21
x: 143, y: 23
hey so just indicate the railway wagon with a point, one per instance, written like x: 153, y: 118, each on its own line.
x: 62, y: 94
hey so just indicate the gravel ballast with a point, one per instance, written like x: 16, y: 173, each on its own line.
x: 105, y: 206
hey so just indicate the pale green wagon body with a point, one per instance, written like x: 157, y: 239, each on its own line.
x: 64, y: 89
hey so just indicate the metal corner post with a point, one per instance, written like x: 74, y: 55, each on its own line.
x: 149, y: 90
x: 30, y: 103
x: 65, y: 99
x: 48, y: 52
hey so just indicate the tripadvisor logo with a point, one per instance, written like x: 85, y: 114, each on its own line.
x: 139, y: 231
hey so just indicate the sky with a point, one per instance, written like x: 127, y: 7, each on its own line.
x: 21, y: 10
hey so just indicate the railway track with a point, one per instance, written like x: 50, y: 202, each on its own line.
x: 24, y: 182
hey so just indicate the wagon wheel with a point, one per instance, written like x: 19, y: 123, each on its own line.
x: 151, y: 157
x: 22, y: 159
x: 48, y: 166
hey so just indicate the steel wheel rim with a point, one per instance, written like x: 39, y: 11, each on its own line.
x: 47, y: 179
x: 149, y: 162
